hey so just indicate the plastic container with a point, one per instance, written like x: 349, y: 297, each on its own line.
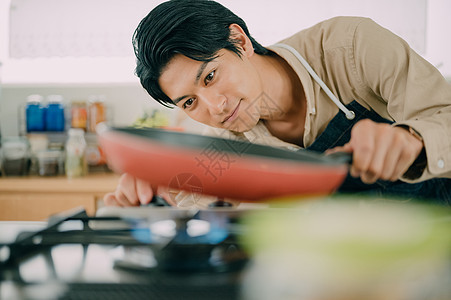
x: 49, y: 162
x: 54, y: 114
x: 35, y: 114
x: 76, y: 165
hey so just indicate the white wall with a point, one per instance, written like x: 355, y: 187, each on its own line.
x: 422, y: 23
x: 425, y: 24
x: 438, y: 35
x: 276, y: 20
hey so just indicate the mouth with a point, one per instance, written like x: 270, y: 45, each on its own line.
x: 233, y: 115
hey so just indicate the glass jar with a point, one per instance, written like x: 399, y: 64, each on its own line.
x: 48, y: 162
x: 76, y: 165
x: 38, y: 142
x: 54, y: 114
x: 15, y: 156
x: 35, y: 113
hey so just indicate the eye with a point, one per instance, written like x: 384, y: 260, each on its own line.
x: 188, y: 103
x: 209, y: 77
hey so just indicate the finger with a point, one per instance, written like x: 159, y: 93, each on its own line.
x: 383, y: 136
x: 345, y: 148
x: 144, y: 191
x: 391, y: 169
x: 363, y: 145
x: 126, y: 190
x: 121, y: 199
x: 164, y: 192
x: 395, y: 161
x: 110, y: 200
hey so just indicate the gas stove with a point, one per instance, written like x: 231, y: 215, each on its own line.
x: 147, y: 253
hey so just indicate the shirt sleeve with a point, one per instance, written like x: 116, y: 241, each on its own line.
x: 416, y: 93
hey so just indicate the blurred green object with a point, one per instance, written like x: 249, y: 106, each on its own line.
x: 152, y: 119
x: 347, y: 249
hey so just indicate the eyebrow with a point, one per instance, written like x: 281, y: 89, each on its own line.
x: 198, y: 75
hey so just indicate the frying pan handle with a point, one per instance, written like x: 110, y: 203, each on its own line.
x: 341, y: 157
x: 157, y: 201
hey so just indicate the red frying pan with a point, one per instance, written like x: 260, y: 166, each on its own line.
x: 220, y: 167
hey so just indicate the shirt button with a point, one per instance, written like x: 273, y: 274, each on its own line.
x: 313, y: 112
x: 441, y: 163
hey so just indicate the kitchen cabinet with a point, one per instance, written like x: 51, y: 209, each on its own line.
x: 36, y: 198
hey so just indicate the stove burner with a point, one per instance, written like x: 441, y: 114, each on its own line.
x: 198, y: 249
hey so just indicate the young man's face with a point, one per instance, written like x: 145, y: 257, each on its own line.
x: 223, y: 93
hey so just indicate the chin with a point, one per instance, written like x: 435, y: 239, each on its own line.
x: 242, y: 125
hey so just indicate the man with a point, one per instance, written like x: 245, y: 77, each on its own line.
x: 393, y: 112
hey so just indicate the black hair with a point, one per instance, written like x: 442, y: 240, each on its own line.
x: 197, y: 29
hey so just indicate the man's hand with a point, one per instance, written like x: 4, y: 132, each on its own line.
x: 132, y: 191
x: 380, y: 151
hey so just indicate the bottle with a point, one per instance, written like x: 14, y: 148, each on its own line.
x: 76, y: 165
x: 35, y: 113
x: 79, y: 115
x: 96, y: 112
x: 54, y: 114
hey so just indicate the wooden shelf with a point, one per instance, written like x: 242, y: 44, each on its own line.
x: 36, y: 198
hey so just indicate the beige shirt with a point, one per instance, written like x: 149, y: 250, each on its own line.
x: 359, y: 60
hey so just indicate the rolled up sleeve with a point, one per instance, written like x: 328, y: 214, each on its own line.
x: 417, y: 95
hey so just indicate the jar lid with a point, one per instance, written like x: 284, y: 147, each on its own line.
x: 49, y: 154
x: 54, y: 99
x: 36, y: 99
x: 15, y: 147
x: 78, y: 103
x: 76, y: 132
x: 96, y: 98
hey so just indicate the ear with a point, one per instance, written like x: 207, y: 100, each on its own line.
x: 237, y: 34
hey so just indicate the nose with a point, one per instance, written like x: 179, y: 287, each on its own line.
x: 215, y: 102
